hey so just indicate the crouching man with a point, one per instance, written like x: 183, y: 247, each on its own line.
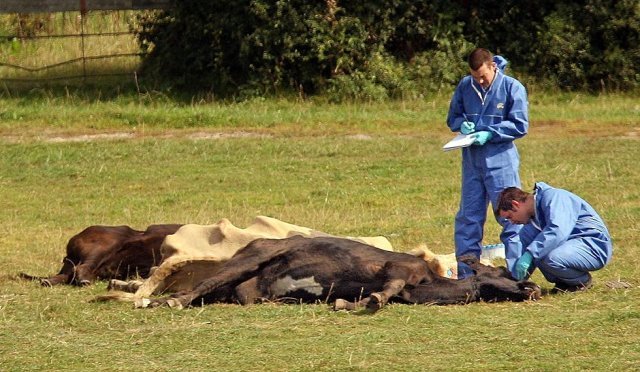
x: 562, y: 235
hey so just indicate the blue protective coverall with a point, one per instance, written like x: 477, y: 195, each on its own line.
x: 567, y: 238
x: 487, y: 170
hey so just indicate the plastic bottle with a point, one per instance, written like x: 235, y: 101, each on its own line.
x: 491, y: 251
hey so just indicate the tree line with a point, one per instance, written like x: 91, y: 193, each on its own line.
x: 377, y: 49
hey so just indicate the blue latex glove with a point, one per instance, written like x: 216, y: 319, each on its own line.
x: 482, y: 137
x: 522, y: 266
x: 467, y: 127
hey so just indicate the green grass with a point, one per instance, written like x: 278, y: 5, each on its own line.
x: 98, y: 110
x: 345, y: 169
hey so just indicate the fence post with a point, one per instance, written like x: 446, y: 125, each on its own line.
x: 83, y: 13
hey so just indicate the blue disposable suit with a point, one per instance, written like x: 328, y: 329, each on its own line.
x: 487, y: 170
x: 566, y: 237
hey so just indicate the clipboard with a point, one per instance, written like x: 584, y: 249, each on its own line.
x: 459, y: 141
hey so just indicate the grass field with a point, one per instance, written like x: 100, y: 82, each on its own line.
x: 67, y: 162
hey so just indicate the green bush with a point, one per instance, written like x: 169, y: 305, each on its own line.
x: 254, y: 46
x: 258, y: 47
x: 587, y: 44
x: 385, y: 48
x: 592, y: 46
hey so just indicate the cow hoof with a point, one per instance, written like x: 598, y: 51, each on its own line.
x: 174, y: 303
x: 535, y: 294
x: 375, y: 302
x: 141, y: 303
x: 533, y: 291
x: 341, y: 304
x: 84, y: 283
x: 46, y: 283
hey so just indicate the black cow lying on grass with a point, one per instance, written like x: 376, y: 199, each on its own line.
x: 346, y: 272
x: 109, y: 252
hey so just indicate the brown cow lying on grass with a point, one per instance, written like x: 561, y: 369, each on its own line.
x: 346, y: 272
x: 109, y: 252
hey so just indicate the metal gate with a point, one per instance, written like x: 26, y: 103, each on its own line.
x: 70, y: 41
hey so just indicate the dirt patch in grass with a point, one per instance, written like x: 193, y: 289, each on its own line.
x: 112, y: 136
x: 89, y: 137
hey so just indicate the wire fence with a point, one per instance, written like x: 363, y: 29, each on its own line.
x: 70, y: 47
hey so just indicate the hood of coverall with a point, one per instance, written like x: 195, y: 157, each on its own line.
x: 501, y: 62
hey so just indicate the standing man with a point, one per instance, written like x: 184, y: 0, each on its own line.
x: 493, y: 108
x: 562, y: 235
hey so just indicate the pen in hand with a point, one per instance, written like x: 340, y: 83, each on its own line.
x: 467, y: 126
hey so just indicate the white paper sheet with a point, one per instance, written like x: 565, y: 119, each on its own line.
x: 459, y: 141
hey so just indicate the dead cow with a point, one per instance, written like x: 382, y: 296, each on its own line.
x: 109, y: 252
x: 346, y: 272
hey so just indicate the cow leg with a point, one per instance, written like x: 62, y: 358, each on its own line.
x: 125, y: 286
x: 248, y: 292
x: 50, y: 281
x: 217, y: 288
x: 245, y: 293
x: 397, y: 276
x: 376, y: 300
x: 56, y: 279
x: 206, y: 288
x: 64, y: 276
x: 481, y: 269
x: 85, y: 274
x: 244, y: 265
x: 443, y: 291
x: 504, y: 289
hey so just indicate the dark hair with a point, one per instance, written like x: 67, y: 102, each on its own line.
x: 507, y: 196
x: 479, y: 57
